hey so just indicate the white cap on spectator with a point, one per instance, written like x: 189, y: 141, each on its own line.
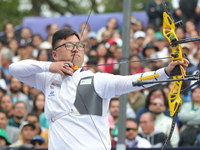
x: 139, y: 34
x: 185, y: 45
x: 45, y: 45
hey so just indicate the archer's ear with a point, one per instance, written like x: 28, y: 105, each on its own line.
x: 54, y: 55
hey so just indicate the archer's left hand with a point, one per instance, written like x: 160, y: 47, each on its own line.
x: 172, y: 64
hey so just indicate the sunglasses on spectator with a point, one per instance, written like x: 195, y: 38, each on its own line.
x: 160, y: 104
x: 36, y: 141
x: 132, y: 129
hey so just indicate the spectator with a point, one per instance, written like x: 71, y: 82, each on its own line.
x: 19, y: 113
x: 25, y: 36
x: 12, y: 132
x: 160, y: 42
x: 133, y: 140
x: 84, y: 29
x: 117, y: 58
x: 4, y: 140
x: 26, y: 90
x: 114, y: 112
x: 8, y: 30
x: 38, y: 107
x: 6, y: 60
x: 135, y: 67
x: 105, y: 36
x: 150, y: 35
x: 39, y: 130
x: 154, y: 9
x: 16, y: 94
x: 36, y: 41
x: 45, y: 52
x: 134, y: 26
x: 51, y: 29
x: 103, y: 58
x: 189, y: 117
x: 163, y: 123
x: 188, y: 54
x: 13, y: 46
x: 3, y: 84
x: 148, y: 50
x: 155, y: 63
x: 92, y: 40
x: 186, y: 10
x: 189, y: 27
x: 22, y: 53
x: 133, y: 49
x: 27, y: 133
x: 43, y: 55
x: 155, y: 137
x: 66, y: 26
x: 92, y: 63
x: 2, y: 92
x: 139, y: 37
x: 136, y: 100
x: 156, y: 91
x: 112, y: 45
x: 38, y: 142
x: 111, y: 126
x: 180, y: 33
x: 111, y: 26
x: 6, y: 104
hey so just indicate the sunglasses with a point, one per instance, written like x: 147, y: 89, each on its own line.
x: 132, y: 129
x: 160, y: 104
x: 34, y: 142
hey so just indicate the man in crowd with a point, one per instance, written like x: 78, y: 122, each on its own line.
x: 12, y: 132
x: 156, y: 138
x: 27, y: 131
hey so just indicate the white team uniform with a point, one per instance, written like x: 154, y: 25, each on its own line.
x: 70, y: 131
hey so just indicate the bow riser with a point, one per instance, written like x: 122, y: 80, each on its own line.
x: 174, y: 99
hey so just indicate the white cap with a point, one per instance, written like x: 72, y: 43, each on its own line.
x: 45, y: 45
x: 139, y: 34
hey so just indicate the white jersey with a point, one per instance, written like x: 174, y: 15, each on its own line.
x: 80, y: 131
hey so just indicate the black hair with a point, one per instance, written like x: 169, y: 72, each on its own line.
x: 113, y: 99
x: 33, y: 114
x: 22, y: 103
x: 62, y: 34
x: 196, y: 87
x: 34, y: 102
x: 133, y: 120
x: 151, y: 116
x: 135, y: 55
x: 153, y: 89
x: 4, y: 112
x: 93, y: 60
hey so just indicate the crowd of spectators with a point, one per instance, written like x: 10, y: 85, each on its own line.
x: 22, y: 118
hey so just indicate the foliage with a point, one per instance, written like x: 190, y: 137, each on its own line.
x: 10, y: 8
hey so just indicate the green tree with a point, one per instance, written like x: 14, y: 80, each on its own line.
x: 10, y: 11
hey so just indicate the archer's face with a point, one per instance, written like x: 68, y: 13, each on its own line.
x: 62, y: 54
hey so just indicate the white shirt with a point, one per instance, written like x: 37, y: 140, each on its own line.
x: 75, y: 132
x: 138, y: 142
x: 163, y: 124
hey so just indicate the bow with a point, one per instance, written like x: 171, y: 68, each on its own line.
x: 178, y: 74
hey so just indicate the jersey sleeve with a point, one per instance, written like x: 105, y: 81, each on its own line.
x: 108, y: 85
x: 31, y: 72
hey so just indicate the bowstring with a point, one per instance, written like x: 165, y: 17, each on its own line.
x: 125, y: 62
x: 93, y: 4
